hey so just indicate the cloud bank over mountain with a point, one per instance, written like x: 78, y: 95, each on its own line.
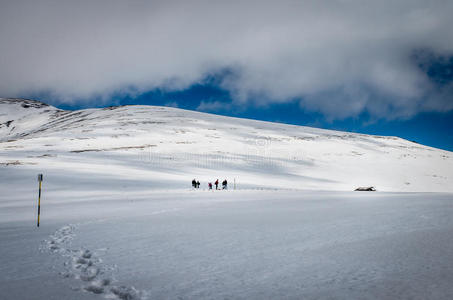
x: 340, y: 58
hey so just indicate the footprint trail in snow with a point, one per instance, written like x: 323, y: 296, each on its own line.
x: 84, y: 265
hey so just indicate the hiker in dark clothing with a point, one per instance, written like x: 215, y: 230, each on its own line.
x: 216, y: 184
x: 194, y: 183
x: 224, y: 184
x: 210, y: 185
x: 198, y: 184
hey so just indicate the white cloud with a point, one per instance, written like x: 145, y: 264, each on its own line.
x: 213, y: 106
x: 340, y: 57
x: 172, y: 104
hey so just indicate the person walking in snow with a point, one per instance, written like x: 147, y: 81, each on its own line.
x: 198, y: 184
x: 194, y: 183
x: 224, y: 184
x: 210, y: 186
x: 216, y: 184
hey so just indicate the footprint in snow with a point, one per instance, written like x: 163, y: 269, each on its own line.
x: 84, y: 265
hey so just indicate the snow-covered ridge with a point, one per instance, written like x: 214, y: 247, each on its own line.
x: 18, y: 116
x: 166, y: 147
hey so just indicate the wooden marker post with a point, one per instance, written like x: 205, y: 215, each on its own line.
x: 39, y: 196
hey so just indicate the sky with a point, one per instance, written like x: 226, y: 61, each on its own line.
x: 378, y: 67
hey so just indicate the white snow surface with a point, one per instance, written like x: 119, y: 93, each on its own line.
x: 167, y: 147
x: 119, y: 219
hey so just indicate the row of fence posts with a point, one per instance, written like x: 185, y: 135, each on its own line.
x: 209, y: 161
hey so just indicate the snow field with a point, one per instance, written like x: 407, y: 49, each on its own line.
x: 119, y: 220
x: 238, y: 245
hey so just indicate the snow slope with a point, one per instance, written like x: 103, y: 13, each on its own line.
x: 164, y: 147
x: 120, y: 221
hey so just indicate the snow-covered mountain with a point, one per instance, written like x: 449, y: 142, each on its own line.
x: 165, y: 148
x: 119, y: 219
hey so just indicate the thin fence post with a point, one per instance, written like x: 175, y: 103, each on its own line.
x: 39, y: 197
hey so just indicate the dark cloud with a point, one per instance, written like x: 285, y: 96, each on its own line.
x: 340, y: 57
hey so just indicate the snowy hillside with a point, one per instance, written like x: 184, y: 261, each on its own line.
x: 162, y: 147
x: 119, y: 219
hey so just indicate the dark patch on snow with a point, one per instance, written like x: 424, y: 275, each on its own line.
x: 113, y: 149
x: 25, y: 103
x: 110, y: 107
x: 366, y: 189
x: 15, y: 163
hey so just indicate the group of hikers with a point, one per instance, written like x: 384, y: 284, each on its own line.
x: 196, y: 184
